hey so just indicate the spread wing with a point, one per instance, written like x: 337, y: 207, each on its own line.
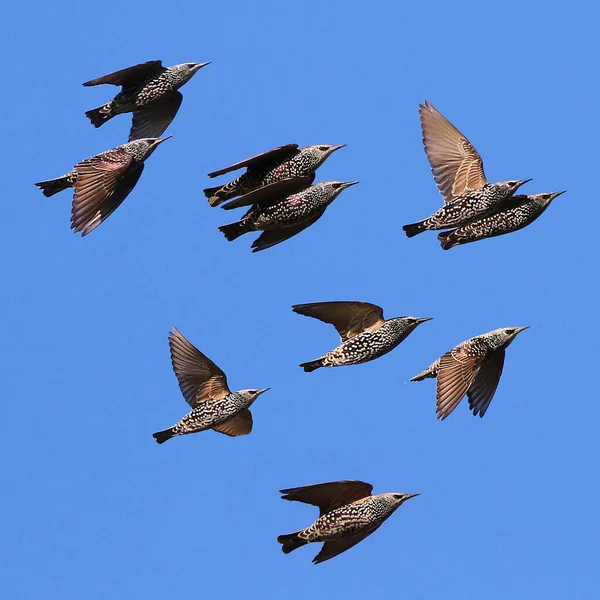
x: 349, y: 318
x: 329, y: 496
x: 271, y: 157
x: 241, y: 424
x: 198, y: 376
x: 456, y: 371
x: 151, y: 121
x: 267, y: 239
x: 484, y: 387
x: 274, y: 191
x: 103, y: 182
x: 131, y: 76
x: 331, y: 549
x: 456, y: 165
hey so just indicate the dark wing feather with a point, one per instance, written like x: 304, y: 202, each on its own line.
x: 260, y: 161
x: 329, y: 496
x: 131, y: 76
x: 349, y: 318
x: 241, y: 424
x: 484, y: 387
x: 456, y: 166
x: 268, y: 194
x: 152, y: 120
x: 331, y: 549
x: 198, y: 376
x: 267, y: 239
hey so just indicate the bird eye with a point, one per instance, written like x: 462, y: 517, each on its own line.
x: 336, y: 185
x: 397, y: 496
x: 323, y: 148
x: 510, y: 331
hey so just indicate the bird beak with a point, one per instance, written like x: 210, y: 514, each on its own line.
x: 519, y: 329
x: 557, y: 194
x: 523, y: 182
x: 334, y: 148
x: 423, y: 320
x: 198, y: 66
x: 409, y: 496
x: 262, y: 392
x: 161, y: 140
x: 349, y: 184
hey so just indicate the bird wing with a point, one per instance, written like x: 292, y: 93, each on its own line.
x: 484, y: 386
x: 198, y: 376
x: 270, y: 238
x: 131, y: 76
x: 241, y: 424
x: 103, y: 182
x: 271, y: 157
x: 331, y: 549
x: 274, y: 191
x: 329, y: 496
x: 456, y: 165
x: 349, y: 318
x: 152, y: 120
x: 456, y: 371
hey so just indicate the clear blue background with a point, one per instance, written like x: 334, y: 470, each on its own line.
x: 94, y: 508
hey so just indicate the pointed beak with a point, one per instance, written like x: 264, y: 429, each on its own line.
x: 334, y: 148
x: 161, y: 140
x: 519, y: 329
x: 198, y: 66
x: 556, y: 194
x: 523, y: 182
x: 349, y: 184
x: 262, y: 392
x: 423, y: 320
x: 409, y: 496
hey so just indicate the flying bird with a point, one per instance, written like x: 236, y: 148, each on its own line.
x: 274, y: 172
x: 458, y: 172
x: 102, y: 182
x: 519, y: 213
x: 473, y: 368
x: 348, y: 514
x: 204, y: 387
x: 282, y: 218
x: 365, y: 334
x: 149, y: 91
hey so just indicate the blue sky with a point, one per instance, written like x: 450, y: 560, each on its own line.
x: 94, y: 508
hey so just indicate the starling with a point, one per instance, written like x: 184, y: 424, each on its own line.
x: 473, y: 368
x: 149, y: 91
x: 272, y: 171
x: 282, y: 218
x: 523, y: 211
x: 204, y: 386
x: 102, y: 182
x: 365, y: 334
x: 348, y: 514
x: 458, y: 172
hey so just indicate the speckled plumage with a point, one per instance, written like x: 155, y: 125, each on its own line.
x: 365, y: 334
x: 349, y: 513
x: 271, y: 167
x: 149, y: 91
x: 473, y: 368
x: 283, y: 218
x: 204, y: 386
x: 102, y: 182
x: 523, y: 211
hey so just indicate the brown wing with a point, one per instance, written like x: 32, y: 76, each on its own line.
x: 484, y: 387
x: 151, y: 121
x: 198, y: 376
x: 267, y: 239
x: 103, y: 182
x: 241, y: 424
x: 455, y: 164
x: 131, y: 76
x: 271, y: 157
x: 456, y: 372
x: 272, y: 192
x: 329, y: 496
x: 331, y: 549
x: 349, y: 318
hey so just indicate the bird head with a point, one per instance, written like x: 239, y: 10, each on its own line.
x: 320, y: 153
x: 186, y: 71
x: 251, y: 395
x: 410, y: 323
x: 545, y: 198
x: 511, y: 186
x: 335, y: 188
x: 395, y: 499
x: 508, y: 334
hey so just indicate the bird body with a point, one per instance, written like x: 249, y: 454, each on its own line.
x: 149, y: 91
x: 458, y: 172
x: 281, y: 164
x: 473, y: 368
x: 283, y: 218
x: 365, y: 334
x: 523, y: 211
x: 204, y: 386
x: 102, y: 182
x: 349, y: 513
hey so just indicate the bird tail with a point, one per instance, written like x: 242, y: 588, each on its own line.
x: 414, y: 229
x: 53, y: 186
x: 99, y: 116
x: 290, y: 542
x: 312, y: 365
x: 448, y: 239
x: 233, y: 230
x: 214, y: 198
x: 162, y: 436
